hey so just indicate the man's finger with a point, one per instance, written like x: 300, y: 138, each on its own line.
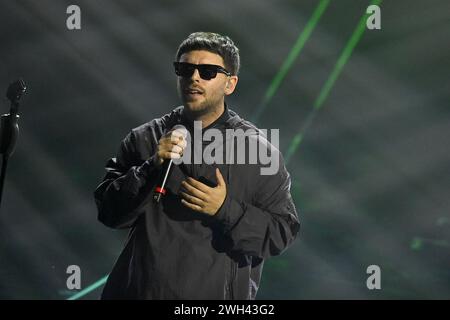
x: 194, y: 191
x: 177, y: 149
x: 191, y: 206
x: 177, y: 135
x: 192, y: 199
x: 171, y: 148
x: 198, y: 185
x: 220, y: 180
x: 172, y: 140
x: 170, y: 155
x: 182, y: 143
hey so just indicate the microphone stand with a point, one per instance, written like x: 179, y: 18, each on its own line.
x: 9, y: 129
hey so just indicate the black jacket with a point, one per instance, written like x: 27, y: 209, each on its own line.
x: 173, y: 252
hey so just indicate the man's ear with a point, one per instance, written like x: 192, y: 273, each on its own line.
x: 231, y: 85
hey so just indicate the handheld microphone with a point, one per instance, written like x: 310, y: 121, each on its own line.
x: 160, y: 190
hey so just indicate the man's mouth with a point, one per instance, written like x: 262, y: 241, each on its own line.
x: 193, y: 92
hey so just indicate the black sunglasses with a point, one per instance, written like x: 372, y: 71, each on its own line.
x: 206, y: 71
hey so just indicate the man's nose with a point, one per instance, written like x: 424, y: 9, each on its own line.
x: 196, y: 75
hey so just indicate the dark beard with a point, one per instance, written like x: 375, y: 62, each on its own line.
x: 196, y: 114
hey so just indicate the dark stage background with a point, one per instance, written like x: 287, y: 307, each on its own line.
x: 370, y: 176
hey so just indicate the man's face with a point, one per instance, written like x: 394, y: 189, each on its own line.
x: 202, y: 96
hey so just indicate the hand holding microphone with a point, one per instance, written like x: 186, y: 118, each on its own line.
x: 195, y: 195
x: 170, y: 146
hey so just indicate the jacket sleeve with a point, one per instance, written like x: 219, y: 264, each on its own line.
x: 126, y: 186
x: 268, y: 225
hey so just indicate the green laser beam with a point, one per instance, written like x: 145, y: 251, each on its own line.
x: 292, y: 56
x: 298, y: 138
x: 417, y: 243
x: 326, y: 88
x: 89, y: 289
x: 344, y: 57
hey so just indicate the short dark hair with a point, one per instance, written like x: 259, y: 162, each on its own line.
x: 215, y: 43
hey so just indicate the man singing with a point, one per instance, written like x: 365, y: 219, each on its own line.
x: 216, y: 222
